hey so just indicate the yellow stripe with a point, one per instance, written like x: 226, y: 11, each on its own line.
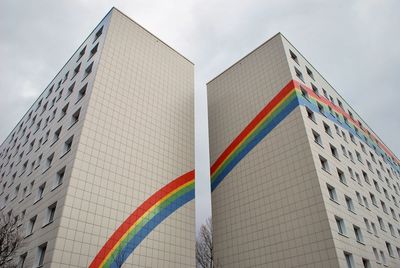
x: 141, y: 218
x: 254, y: 129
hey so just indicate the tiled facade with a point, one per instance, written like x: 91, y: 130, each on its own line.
x: 113, y: 127
x: 276, y: 203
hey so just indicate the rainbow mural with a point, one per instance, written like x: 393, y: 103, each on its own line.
x: 181, y: 190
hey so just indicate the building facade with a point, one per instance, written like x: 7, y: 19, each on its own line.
x: 298, y: 178
x: 96, y: 169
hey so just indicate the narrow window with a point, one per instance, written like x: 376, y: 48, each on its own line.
x: 349, y: 203
x: 40, y: 192
x: 349, y: 260
x: 76, y: 70
x: 64, y: 111
x: 357, y: 232
x: 299, y: 74
x: 341, y: 176
x: 334, y: 151
x: 294, y: 57
x: 82, y: 92
x: 332, y: 192
x: 75, y: 117
x: 310, y: 114
x: 41, y: 254
x: 98, y: 33
x: 57, y: 135
x: 327, y: 129
x: 317, y: 137
x: 93, y: 51
x: 68, y: 145
x: 324, y: 163
x: 81, y: 53
x: 88, y: 70
x: 341, y: 226
x: 51, y: 211
x: 389, y: 249
x: 30, y: 226
x: 310, y: 73
x: 59, y: 177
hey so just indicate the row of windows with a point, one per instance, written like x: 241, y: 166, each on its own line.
x: 343, y: 135
x: 339, y: 102
x: 379, y: 254
x: 354, y: 175
x: 42, y: 124
x: 31, y: 119
x: 35, y: 163
x: 348, y: 153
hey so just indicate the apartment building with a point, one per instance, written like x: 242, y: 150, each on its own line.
x: 95, y: 170
x: 299, y: 179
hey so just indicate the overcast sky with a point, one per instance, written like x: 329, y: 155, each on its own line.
x: 353, y: 43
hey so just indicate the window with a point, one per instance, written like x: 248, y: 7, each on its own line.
x: 366, y: 202
x: 53, y: 115
x: 98, y: 33
x: 41, y: 254
x: 88, y: 70
x: 75, y: 117
x: 59, y: 177
x: 393, y: 214
x: 367, y: 225
x: 51, y: 211
x: 310, y: 73
x: 384, y: 208
x: 64, y: 111
x: 366, y: 263
x: 389, y: 249
x: 352, y: 138
x: 49, y: 160
x: 310, y: 114
x: 332, y: 192
x: 68, y: 145
x: 357, y: 232
x: 94, y: 50
x: 293, y: 56
x: 327, y: 129
x: 82, y: 92
x: 334, y: 151
x: 377, y: 186
x: 337, y: 130
x: 341, y: 176
x: 365, y: 175
x: 320, y: 108
x: 349, y: 203
x: 324, y: 163
x: 381, y: 224
x: 351, y: 172
x: 359, y: 198
x: 40, y: 192
x: 398, y: 251
x: 344, y: 150
x: 344, y: 136
x: 76, y: 70
x: 299, y: 74
x: 70, y: 90
x: 60, y: 94
x: 392, y: 232
x: 383, y: 257
x: 81, y: 53
x: 351, y: 156
x: 317, y: 137
x: 349, y: 260
x: 374, y: 229
x: 340, y: 225
x: 304, y: 92
x: 314, y: 89
x: 22, y: 259
x: 358, y: 157
x: 30, y: 226
x: 376, y: 255
x: 57, y: 135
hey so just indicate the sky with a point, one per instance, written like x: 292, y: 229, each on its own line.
x: 354, y: 45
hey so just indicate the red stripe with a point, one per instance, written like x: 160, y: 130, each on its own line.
x: 348, y: 117
x: 124, y: 227
x: 284, y: 91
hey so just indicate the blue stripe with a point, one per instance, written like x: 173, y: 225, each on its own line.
x: 149, y: 226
